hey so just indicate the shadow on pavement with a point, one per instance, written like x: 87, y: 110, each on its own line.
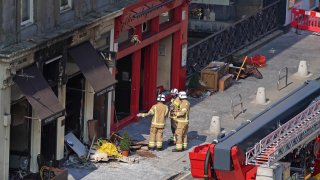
x: 195, y: 139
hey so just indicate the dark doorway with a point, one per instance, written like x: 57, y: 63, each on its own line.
x: 100, y: 110
x: 49, y: 141
x: 142, y: 71
x: 20, y: 133
x: 49, y: 137
x: 123, y: 87
x: 74, y: 105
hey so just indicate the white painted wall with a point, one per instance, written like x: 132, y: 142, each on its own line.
x: 110, y: 94
x: 61, y: 125
x: 164, y: 62
x: 88, y: 109
x: 35, y: 142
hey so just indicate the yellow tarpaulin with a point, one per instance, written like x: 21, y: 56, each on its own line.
x: 107, y: 147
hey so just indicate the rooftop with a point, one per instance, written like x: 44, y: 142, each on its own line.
x: 65, y: 30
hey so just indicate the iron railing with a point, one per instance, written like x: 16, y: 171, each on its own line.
x: 285, y: 77
x: 227, y: 41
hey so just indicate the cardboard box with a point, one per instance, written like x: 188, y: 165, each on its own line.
x: 225, y: 82
x: 211, y: 74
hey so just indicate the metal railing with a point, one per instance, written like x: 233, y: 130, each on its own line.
x: 285, y: 76
x: 227, y: 41
x: 233, y: 105
x: 300, y: 129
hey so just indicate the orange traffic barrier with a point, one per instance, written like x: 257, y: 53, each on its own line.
x: 305, y: 20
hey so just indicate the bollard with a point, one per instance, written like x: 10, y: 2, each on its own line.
x: 261, y: 96
x: 215, y: 127
x: 303, y: 69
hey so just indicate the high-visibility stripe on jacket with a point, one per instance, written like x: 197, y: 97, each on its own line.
x: 174, y: 107
x: 159, y: 111
x: 175, y: 103
x: 183, y: 113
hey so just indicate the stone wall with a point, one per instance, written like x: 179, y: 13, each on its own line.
x: 47, y: 17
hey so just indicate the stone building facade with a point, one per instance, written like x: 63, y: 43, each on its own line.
x: 55, y: 76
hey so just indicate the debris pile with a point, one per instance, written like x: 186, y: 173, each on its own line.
x: 218, y: 76
x: 248, y: 66
x: 104, y: 150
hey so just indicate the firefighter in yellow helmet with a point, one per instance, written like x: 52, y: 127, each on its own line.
x: 182, y: 123
x: 174, y: 107
x: 159, y: 112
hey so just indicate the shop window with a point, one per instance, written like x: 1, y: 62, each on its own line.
x: 52, y: 69
x: 104, y: 42
x: 123, y: 37
x: 20, y: 111
x: 65, y: 5
x: 165, y: 17
x: 26, y: 12
x: 146, y: 30
x: 145, y: 27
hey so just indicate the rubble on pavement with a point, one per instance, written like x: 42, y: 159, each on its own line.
x: 103, y: 150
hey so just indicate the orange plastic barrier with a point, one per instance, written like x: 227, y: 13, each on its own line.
x: 305, y: 20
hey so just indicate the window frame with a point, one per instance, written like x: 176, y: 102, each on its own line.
x: 30, y: 20
x: 66, y: 7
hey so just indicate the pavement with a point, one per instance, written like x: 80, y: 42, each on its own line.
x: 285, y: 51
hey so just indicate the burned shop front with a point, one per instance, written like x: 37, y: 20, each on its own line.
x: 63, y: 91
x: 35, y: 110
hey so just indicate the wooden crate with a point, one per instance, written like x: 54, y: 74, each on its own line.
x: 225, y: 82
x: 211, y: 74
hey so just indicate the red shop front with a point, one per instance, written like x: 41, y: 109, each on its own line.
x: 152, y: 43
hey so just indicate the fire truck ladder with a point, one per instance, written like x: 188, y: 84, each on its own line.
x: 300, y: 130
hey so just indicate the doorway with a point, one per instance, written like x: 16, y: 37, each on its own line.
x: 20, y: 136
x: 49, y: 141
x: 100, y: 113
x: 74, y: 105
x: 49, y: 137
x: 123, y: 87
x: 144, y: 53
